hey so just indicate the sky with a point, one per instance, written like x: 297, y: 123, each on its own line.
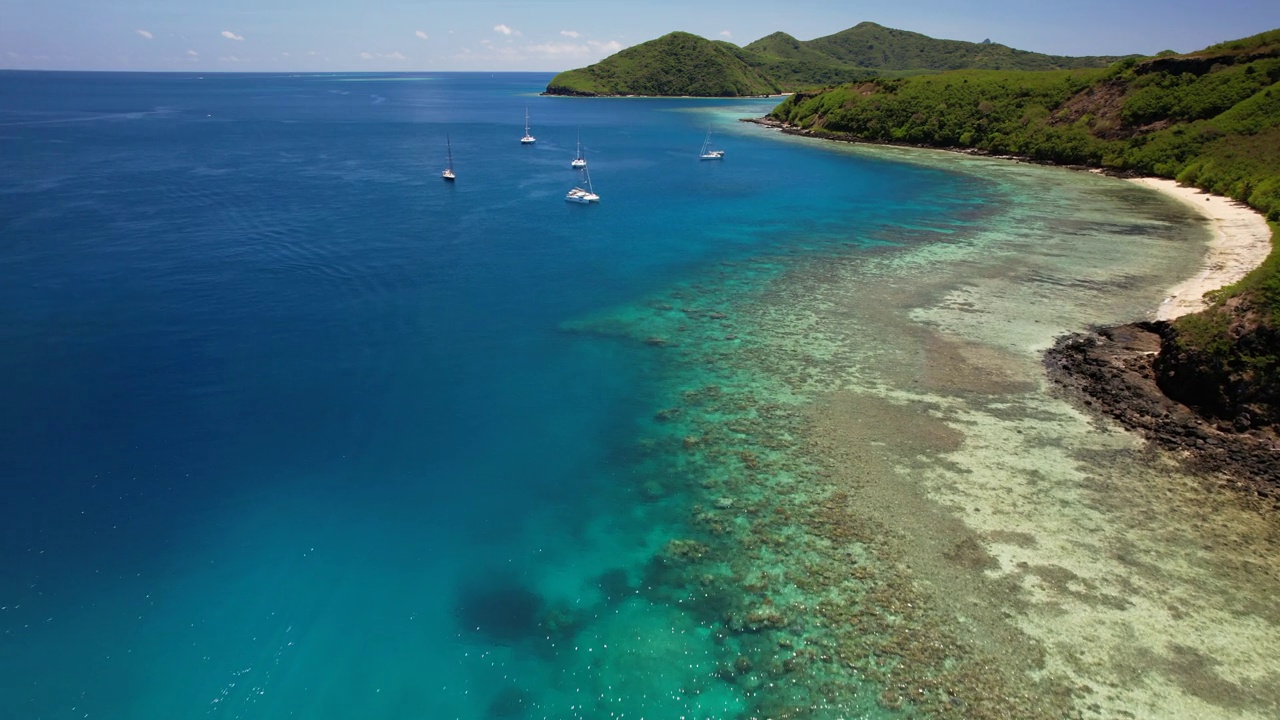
x: 553, y: 35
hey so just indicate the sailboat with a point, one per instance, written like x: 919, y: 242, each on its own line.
x: 707, y: 152
x: 579, y: 161
x: 527, y: 139
x: 578, y: 195
x: 448, y: 172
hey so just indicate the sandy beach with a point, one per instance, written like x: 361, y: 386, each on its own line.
x: 1241, y: 241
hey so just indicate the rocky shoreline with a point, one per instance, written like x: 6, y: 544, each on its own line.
x: 1110, y: 371
x: 558, y: 91
x: 790, y: 129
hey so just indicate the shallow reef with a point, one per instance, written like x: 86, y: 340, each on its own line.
x: 499, y: 608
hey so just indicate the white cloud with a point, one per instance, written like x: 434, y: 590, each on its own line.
x: 726, y: 33
x: 366, y: 56
x: 193, y: 53
x: 421, y: 34
x: 551, y: 51
x: 145, y: 33
x: 287, y: 54
x: 313, y: 52
x: 610, y: 47
x: 571, y: 33
x: 395, y: 56
x: 503, y: 29
x: 230, y: 59
x: 231, y: 36
x: 558, y: 49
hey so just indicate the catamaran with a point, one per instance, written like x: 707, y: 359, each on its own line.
x: 448, y: 172
x: 707, y: 152
x: 579, y: 161
x: 527, y: 139
x: 578, y: 195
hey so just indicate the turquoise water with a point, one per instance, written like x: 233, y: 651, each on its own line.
x: 295, y: 429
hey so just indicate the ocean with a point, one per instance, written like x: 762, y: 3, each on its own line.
x: 294, y: 428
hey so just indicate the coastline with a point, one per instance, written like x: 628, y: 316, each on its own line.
x: 1109, y: 371
x: 1053, y: 546
x: 1241, y: 237
x: 877, y: 456
x: 1241, y: 242
x: 576, y: 94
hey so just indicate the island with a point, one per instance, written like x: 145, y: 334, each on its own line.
x: 682, y: 64
x: 1203, y: 377
x: 1205, y: 383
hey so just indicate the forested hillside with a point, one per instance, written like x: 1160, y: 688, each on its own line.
x: 1210, y: 119
x: 684, y: 64
x: 675, y: 64
x: 868, y: 45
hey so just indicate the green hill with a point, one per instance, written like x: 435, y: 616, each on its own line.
x: 684, y: 64
x: 675, y: 64
x: 1210, y: 119
x: 1195, y: 117
x: 784, y: 47
x: 794, y: 64
x: 868, y: 45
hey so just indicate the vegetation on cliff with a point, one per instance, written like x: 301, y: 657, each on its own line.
x: 675, y: 64
x: 1210, y: 119
x: 793, y: 64
x: 872, y: 46
x: 1225, y: 361
x: 685, y: 64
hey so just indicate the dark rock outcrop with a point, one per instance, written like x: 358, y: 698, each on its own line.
x: 1229, y: 371
x: 1112, y: 371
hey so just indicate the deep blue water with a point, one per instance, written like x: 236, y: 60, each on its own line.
x: 284, y: 413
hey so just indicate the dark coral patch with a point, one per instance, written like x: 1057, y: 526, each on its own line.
x: 502, y: 609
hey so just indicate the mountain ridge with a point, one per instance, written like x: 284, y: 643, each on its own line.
x: 676, y: 64
x: 680, y: 63
x: 1209, y: 119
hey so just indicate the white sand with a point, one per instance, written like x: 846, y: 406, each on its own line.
x: 1241, y: 241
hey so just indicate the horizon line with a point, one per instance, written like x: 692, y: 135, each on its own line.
x: 272, y: 72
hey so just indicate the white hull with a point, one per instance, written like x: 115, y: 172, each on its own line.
x: 527, y: 139
x: 707, y: 153
x: 584, y: 197
x: 579, y: 161
x: 578, y: 195
x: 447, y: 174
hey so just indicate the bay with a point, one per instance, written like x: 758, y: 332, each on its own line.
x: 295, y: 428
